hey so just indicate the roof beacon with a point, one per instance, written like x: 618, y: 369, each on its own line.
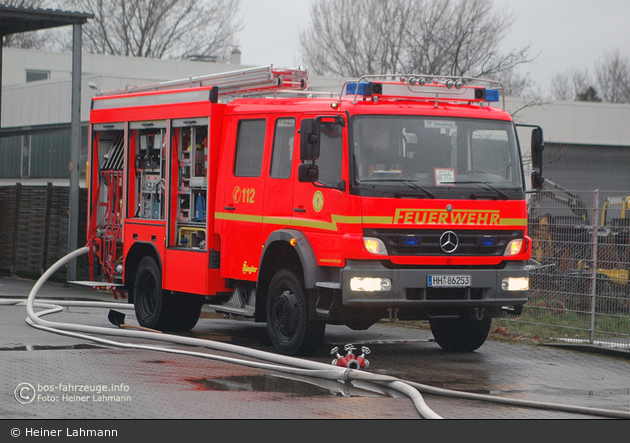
x: 422, y: 87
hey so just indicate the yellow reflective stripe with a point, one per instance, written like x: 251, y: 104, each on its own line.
x: 305, y: 223
x: 238, y: 217
x: 378, y: 220
x: 513, y: 222
x: 336, y: 219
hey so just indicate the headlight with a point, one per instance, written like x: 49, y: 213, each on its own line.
x: 514, y: 247
x: 370, y: 284
x: 515, y: 284
x: 374, y: 246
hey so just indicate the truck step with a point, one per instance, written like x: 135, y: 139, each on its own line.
x: 227, y: 309
x: 97, y: 285
x: 328, y: 285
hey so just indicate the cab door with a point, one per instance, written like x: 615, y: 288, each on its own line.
x: 278, y: 210
x: 243, y: 199
x: 320, y: 208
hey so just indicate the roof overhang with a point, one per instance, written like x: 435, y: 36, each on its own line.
x: 14, y: 20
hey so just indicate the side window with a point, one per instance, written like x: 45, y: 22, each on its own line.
x: 330, y: 153
x: 250, y: 144
x: 282, y: 148
x: 490, y: 151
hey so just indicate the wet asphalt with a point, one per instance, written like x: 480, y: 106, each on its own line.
x: 46, y: 375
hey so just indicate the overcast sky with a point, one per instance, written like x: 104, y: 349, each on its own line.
x: 564, y: 34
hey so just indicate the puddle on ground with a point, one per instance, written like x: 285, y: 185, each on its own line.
x: 49, y: 348
x: 296, y: 386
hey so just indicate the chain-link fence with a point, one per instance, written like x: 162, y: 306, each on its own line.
x: 580, y: 287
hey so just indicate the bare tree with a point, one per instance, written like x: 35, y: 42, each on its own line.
x: 434, y: 37
x: 160, y: 28
x: 611, y: 82
x: 570, y: 84
x: 613, y: 77
x: 356, y: 37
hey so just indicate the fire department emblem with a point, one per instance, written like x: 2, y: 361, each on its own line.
x: 318, y: 201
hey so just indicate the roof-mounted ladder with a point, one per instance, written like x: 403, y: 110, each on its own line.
x: 242, y: 82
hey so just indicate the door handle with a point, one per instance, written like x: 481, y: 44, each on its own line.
x: 299, y: 210
x: 230, y: 208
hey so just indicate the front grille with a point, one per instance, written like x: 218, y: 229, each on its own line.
x: 454, y: 294
x: 426, y: 242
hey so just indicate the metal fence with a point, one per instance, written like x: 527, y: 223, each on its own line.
x: 579, y: 280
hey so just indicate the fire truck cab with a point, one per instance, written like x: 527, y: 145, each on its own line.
x: 399, y: 197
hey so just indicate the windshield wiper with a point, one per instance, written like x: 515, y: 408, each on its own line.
x: 498, y: 191
x: 410, y: 183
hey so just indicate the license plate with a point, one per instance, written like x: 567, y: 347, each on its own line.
x: 448, y: 281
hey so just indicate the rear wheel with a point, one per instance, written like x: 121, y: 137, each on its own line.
x: 463, y: 334
x: 287, y: 316
x: 186, y: 311
x: 159, y: 309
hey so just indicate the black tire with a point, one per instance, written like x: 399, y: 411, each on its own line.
x: 463, y: 334
x: 186, y: 311
x: 151, y: 303
x: 159, y: 309
x: 287, y: 316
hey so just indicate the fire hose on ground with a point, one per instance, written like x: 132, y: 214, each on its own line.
x: 268, y: 361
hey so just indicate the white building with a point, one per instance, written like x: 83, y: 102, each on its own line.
x: 588, y: 144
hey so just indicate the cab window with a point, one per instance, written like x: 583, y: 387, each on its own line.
x: 330, y: 154
x: 250, y: 144
x: 282, y: 154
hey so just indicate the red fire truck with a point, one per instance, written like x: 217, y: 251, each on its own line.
x: 400, y: 197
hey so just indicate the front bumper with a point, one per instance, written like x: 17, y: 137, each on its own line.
x: 410, y: 289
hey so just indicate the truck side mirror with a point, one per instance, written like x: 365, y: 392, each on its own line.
x: 309, y: 139
x: 537, y: 180
x: 308, y: 173
x: 538, y: 147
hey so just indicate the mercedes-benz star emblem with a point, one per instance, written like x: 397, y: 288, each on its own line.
x: 449, y: 242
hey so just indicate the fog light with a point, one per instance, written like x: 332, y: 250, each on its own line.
x: 515, y: 284
x: 514, y: 247
x: 370, y: 284
x: 374, y: 246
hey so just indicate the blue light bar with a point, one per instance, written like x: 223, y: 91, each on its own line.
x: 492, y: 95
x: 487, y: 241
x: 411, y: 241
x: 364, y: 89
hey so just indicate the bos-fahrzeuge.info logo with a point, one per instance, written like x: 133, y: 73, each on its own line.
x: 26, y: 393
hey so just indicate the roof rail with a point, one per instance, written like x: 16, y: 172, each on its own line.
x: 423, y: 87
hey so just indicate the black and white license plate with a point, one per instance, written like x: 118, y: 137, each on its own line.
x: 448, y: 281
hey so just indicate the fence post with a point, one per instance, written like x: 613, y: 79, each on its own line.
x: 45, y: 228
x: 18, y: 193
x: 594, y: 271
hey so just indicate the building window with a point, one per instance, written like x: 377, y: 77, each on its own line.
x: 33, y: 76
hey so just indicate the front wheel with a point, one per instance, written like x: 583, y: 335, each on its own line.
x: 287, y: 316
x: 463, y: 334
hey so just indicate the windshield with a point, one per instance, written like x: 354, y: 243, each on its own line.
x: 436, y: 155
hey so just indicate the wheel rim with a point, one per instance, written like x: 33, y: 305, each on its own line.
x: 286, y: 314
